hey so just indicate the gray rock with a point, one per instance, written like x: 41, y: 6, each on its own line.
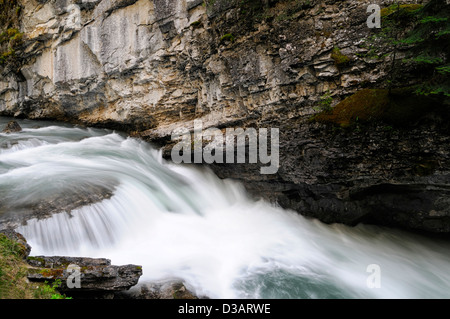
x: 168, y: 289
x: 96, y: 275
x: 12, y: 127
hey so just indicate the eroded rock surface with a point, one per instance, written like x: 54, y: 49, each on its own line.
x: 95, y: 275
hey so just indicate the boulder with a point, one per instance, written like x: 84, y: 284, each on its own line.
x: 12, y: 127
x: 166, y: 289
x: 82, y: 276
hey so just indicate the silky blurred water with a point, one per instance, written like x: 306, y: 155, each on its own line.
x: 184, y: 222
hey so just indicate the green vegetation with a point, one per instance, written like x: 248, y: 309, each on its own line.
x: 340, y: 59
x: 444, y: 70
x: 429, y: 57
x: 433, y: 20
x: 325, y: 102
x: 423, y: 59
x: 49, y: 291
x: 406, y: 8
x: 13, y: 275
x: 399, y: 107
x: 422, y: 34
x: 10, y: 37
x: 227, y: 37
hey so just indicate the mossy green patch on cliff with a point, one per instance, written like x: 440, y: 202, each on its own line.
x: 397, y: 107
x: 10, y: 36
x: 227, y: 37
x: 407, y: 8
x: 339, y: 59
x: 365, y: 105
x: 51, y: 273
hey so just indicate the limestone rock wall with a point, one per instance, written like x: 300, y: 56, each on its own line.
x: 157, y: 64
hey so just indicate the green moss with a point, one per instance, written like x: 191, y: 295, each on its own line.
x: 227, y: 37
x: 398, y: 107
x: 10, y: 36
x: 409, y: 8
x: 340, y: 59
x: 325, y: 102
x: 51, y: 273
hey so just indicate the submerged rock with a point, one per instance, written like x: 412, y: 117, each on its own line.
x: 12, y: 127
x: 15, y: 212
x: 170, y: 289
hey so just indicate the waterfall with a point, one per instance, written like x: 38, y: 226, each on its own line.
x: 181, y: 221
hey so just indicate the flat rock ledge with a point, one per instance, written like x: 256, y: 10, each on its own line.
x: 82, y: 276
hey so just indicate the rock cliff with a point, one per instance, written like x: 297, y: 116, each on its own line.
x: 150, y: 66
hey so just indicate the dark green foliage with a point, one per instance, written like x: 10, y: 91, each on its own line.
x: 325, y: 102
x: 422, y: 34
x: 430, y: 57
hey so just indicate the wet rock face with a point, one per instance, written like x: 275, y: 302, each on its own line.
x: 393, y: 177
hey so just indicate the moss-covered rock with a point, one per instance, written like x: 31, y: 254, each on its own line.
x: 340, y: 60
x: 408, y: 7
x: 397, y: 106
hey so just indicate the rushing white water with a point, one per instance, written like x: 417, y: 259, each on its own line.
x: 184, y: 222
